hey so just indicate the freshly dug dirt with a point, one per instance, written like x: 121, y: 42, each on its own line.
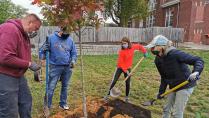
x: 97, y: 108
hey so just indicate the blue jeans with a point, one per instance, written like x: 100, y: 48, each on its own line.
x: 55, y: 74
x: 15, y: 97
x: 176, y: 103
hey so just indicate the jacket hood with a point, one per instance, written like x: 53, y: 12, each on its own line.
x: 169, y: 49
x: 18, y: 24
x: 56, y: 34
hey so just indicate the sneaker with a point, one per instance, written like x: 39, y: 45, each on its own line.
x: 126, y: 99
x: 64, y: 107
x: 106, y: 98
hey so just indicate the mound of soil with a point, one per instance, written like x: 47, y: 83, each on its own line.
x: 97, y: 108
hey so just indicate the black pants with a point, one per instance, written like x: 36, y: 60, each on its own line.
x: 116, y: 77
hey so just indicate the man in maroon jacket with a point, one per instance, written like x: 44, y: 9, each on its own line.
x: 15, y: 59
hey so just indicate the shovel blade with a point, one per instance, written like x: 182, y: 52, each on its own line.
x: 37, y: 77
x: 114, y: 92
x: 46, y: 109
x: 46, y: 112
x: 149, y: 103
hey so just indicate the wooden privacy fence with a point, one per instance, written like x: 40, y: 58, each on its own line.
x: 115, y: 34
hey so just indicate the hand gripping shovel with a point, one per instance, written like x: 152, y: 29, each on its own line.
x: 151, y: 102
x: 115, y: 92
x: 46, y: 108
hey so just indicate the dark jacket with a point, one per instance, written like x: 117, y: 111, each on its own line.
x: 15, y: 51
x: 174, y: 70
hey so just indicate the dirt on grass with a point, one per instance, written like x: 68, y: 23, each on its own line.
x: 97, y: 108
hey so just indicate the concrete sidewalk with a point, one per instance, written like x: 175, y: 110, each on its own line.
x: 190, y: 45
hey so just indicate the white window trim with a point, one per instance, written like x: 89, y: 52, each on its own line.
x: 168, y: 15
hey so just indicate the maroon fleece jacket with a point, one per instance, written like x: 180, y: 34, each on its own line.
x: 15, y: 49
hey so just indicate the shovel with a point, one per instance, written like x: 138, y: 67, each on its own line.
x: 37, y: 74
x: 115, y: 92
x: 151, y: 102
x: 46, y: 108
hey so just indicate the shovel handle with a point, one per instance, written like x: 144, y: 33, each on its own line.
x: 173, y: 89
x: 134, y: 68
x: 166, y: 93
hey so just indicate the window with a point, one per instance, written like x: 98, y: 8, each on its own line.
x: 150, y: 21
x: 169, y: 16
x: 199, y: 12
x: 152, y: 4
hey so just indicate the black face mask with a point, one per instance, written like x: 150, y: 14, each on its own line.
x: 64, y: 35
x: 32, y: 34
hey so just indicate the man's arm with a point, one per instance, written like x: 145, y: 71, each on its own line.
x: 8, y: 51
x: 73, y: 52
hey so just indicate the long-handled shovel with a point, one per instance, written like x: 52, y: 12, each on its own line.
x: 46, y: 108
x: 37, y: 74
x: 115, y: 92
x: 151, y: 102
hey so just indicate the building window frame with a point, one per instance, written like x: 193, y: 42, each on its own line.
x: 152, y: 5
x: 169, y: 17
x: 150, y: 21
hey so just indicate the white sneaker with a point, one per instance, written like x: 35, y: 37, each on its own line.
x: 65, y: 107
x: 126, y: 99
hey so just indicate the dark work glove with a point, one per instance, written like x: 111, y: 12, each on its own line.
x: 159, y: 97
x: 34, y: 66
x: 46, y: 47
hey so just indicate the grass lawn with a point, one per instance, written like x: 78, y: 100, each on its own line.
x: 98, y: 72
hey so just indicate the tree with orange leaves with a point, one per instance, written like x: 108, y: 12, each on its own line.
x: 75, y: 14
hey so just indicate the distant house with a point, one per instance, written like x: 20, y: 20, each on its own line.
x: 192, y: 15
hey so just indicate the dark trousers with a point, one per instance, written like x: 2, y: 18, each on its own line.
x: 15, y: 97
x: 116, y: 77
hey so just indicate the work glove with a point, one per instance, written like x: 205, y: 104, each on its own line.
x: 72, y: 64
x: 159, y: 97
x: 34, y: 67
x: 194, y: 76
x: 146, y: 54
x: 46, y: 47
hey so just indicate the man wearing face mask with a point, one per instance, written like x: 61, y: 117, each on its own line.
x: 62, y: 58
x: 172, y: 65
x: 15, y: 59
x: 124, y: 63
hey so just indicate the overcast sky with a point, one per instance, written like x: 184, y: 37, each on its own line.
x: 27, y: 4
x: 35, y: 9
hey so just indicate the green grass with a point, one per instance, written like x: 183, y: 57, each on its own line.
x: 98, y: 72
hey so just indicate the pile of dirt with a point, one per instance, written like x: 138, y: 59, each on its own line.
x: 97, y: 108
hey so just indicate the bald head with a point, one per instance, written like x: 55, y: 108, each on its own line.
x: 31, y: 23
x: 32, y: 18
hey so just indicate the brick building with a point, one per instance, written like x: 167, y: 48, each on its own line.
x: 192, y: 15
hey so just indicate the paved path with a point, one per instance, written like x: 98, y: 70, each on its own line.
x: 190, y: 45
